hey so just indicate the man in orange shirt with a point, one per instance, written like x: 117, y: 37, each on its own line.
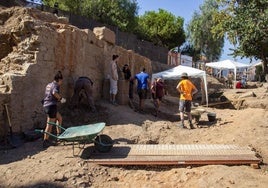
x: 186, y: 89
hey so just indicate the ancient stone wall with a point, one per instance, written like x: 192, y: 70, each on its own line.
x: 126, y: 40
x: 39, y: 45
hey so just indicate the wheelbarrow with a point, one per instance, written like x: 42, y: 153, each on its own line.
x: 84, y: 134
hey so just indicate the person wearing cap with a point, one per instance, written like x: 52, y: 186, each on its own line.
x: 186, y: 89
x: 113, y: 79
x: 157, y: 90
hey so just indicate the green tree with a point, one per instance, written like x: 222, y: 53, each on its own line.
x: 199, y: 32
x: 67, y: 5
x: 188, y: 49
x: 161, y: 28
x: 245, y: 23
x: 120, y: 13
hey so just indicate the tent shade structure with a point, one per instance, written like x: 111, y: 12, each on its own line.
x: 227, y: 64
x: 175, y: 74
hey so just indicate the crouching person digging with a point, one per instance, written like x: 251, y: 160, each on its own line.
x: 83, y: 85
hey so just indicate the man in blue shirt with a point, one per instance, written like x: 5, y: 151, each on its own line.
x: 142, y: 87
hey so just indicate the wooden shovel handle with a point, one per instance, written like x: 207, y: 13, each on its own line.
x: 8, y: 117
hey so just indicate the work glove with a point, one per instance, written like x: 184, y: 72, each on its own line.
x: 63, y: 100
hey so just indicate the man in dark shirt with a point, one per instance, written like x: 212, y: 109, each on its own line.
x: 52, y: 97
x: 127, y: 76
x: 83, y: 84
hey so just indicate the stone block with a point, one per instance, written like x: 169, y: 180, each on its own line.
x: 91, y: 36
x: 105, y: 34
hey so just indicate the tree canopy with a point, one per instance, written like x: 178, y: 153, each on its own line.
x: 245, y: 23
x: 199, y: 32
x: 162, y: 28
x: 120, y: 13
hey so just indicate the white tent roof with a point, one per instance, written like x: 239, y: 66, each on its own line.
x: 256, y: 64
x: 226, y: 64
x: 175, y: 74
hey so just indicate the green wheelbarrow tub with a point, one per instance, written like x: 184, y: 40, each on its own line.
x: 82, y: 133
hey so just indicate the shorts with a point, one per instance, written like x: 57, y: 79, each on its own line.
x: 185, y: 105
x: 51, y: 111
x: 142, y: 93
x: 154, y: 96
x: 113, y: 86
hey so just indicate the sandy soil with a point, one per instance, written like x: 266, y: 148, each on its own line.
x: 31, y: 166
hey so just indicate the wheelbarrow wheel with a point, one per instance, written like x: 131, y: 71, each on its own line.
x: 103, y: 143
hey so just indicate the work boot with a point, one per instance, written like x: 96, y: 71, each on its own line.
x: 191, y: 125
x: 114, y: 103
x: 46, y: 144
x: 182, y: 126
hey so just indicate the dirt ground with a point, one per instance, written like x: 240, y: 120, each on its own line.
x: 242, y: 124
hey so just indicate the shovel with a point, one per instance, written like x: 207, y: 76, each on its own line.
x: 13, y: 140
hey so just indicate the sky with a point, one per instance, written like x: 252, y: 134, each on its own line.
x: 184, y: 9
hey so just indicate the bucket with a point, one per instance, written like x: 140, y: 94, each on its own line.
x: 103, y: 143
x: 211, y: 117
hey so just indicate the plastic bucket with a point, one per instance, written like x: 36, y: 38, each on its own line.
x: 211, y: 116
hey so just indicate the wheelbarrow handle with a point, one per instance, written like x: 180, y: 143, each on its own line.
x: 55, y: 124
x: 44, y: 132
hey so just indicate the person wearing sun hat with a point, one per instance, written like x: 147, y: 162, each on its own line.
x: 186, y: 90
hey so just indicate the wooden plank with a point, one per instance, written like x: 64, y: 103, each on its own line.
x: 217, y: 103
x: 173, y: 155
x: 225, y: 102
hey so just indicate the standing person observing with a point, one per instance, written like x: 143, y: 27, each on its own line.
x: 244, y: 80
x: 52, y: 97
x: 186, y: 89
x: 230, y: 79
x: 113, y: 79
x: 127, y: 76
x: 142, y: 87
x: 158, y: 92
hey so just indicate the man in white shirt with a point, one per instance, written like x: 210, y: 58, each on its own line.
x: 113, y: 79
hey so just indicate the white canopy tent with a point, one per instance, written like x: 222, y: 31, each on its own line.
x: 227, y: 64
x: 175, y: 73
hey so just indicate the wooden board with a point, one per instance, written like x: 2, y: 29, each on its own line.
x: 173, y: 155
